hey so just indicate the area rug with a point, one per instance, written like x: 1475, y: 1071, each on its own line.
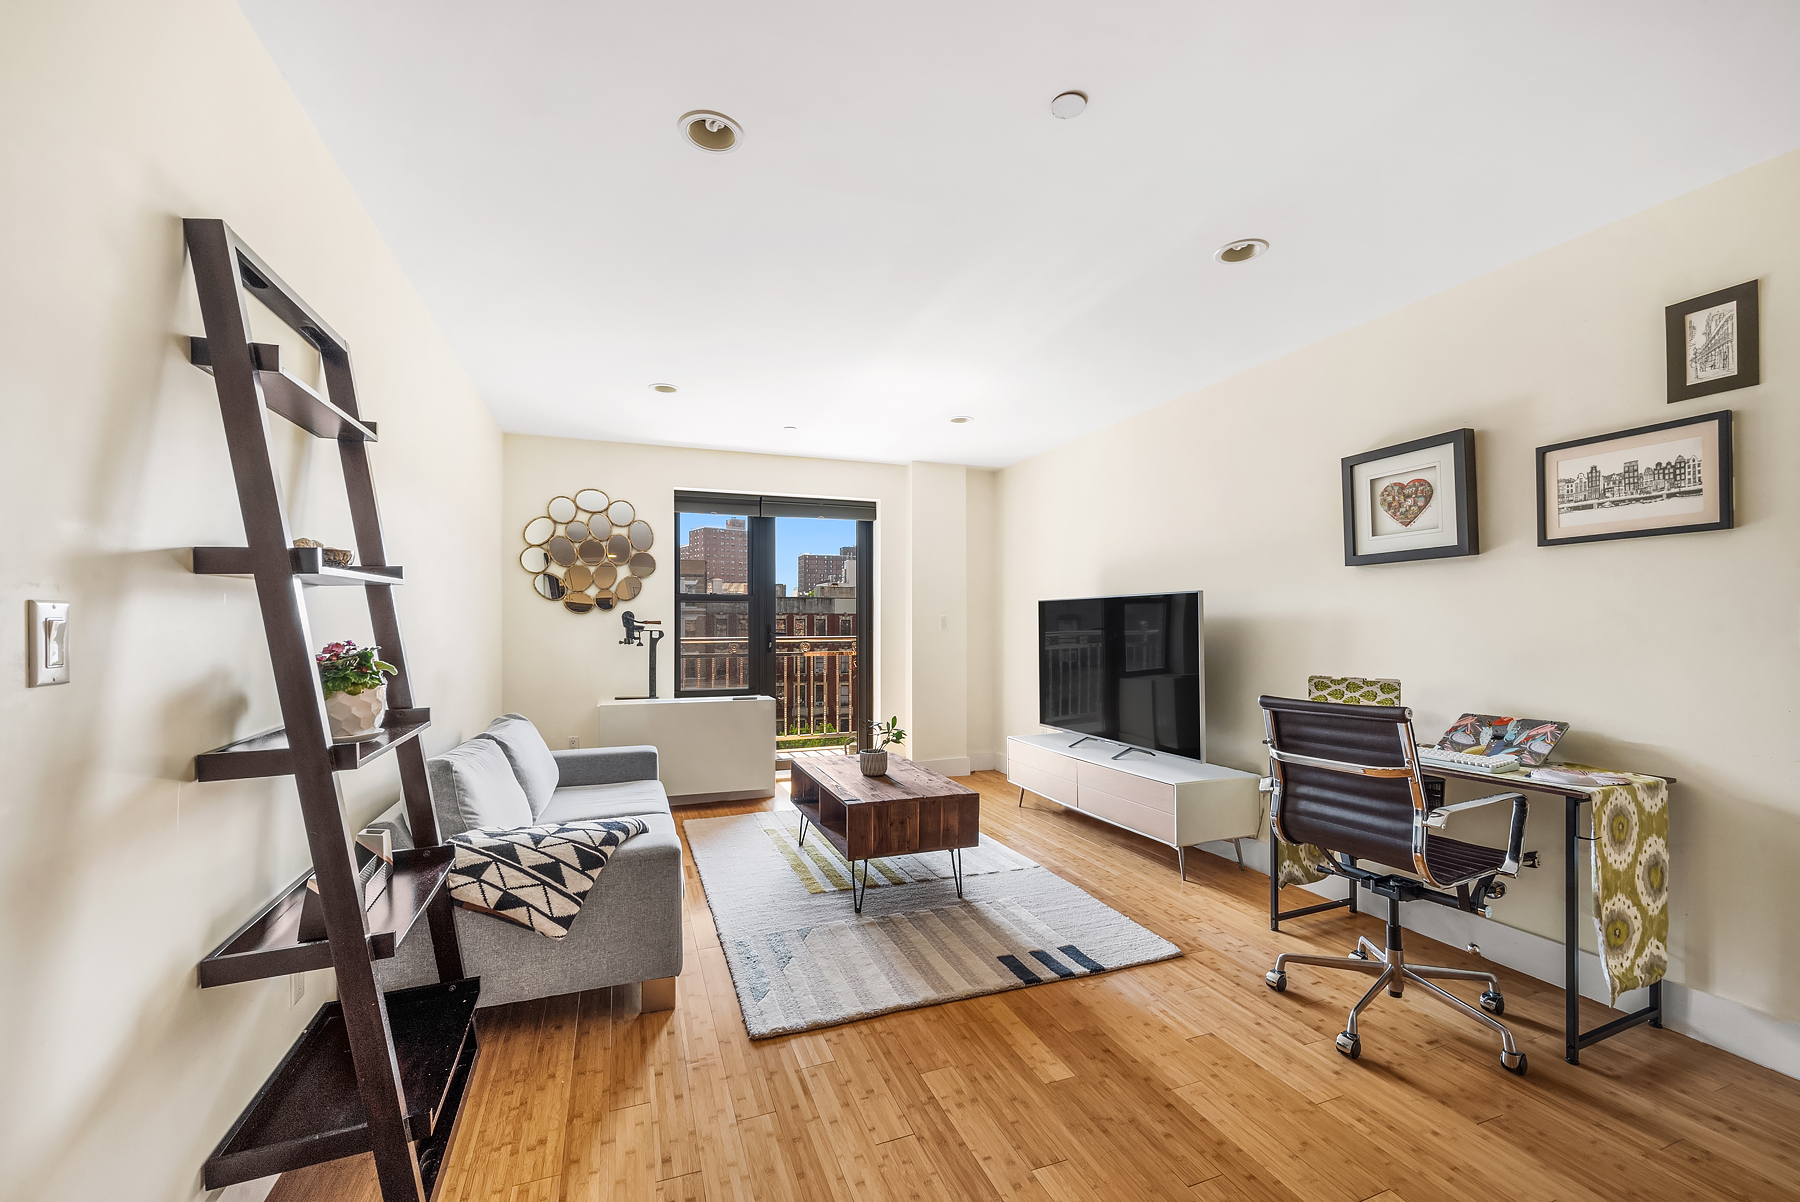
x: 800, y: 957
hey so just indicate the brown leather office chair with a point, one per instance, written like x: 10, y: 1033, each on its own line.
x: 1346, y: 778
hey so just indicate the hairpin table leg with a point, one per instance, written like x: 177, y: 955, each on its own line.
x: 956, y: 867
x: 802, y: 839
x: 857, y: 892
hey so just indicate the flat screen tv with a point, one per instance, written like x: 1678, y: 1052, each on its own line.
x: 1127, y: 669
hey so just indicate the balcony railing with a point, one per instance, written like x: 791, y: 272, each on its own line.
x: 815, y: 683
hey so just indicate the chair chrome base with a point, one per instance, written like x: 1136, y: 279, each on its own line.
x: 1392, y: 972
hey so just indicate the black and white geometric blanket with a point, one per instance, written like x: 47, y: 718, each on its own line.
x: 536, y: 876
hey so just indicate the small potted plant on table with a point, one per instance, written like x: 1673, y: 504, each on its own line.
x: 355, y: 694
x: 875, y: 759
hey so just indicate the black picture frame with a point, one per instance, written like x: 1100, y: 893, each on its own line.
x: 1461, y: 444
x: 1745, y: 342
x: 1718, y: 482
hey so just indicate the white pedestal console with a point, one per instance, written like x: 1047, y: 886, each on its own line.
x: 1169, y: 798
x: 709, y: 748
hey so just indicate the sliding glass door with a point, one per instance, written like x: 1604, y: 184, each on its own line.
x: 775, y: 598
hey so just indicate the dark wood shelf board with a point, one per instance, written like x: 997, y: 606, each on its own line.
x: 269, y: 944
x: 309, y: 567
x: 286, y: 395
x: 310, y: 1111
x: 268, y: 754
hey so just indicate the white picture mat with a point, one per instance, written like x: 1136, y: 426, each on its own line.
x: 1612, y: 462
x: 1437, y: 464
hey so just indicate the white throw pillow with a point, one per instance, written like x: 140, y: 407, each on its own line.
x: 529, y: 756
x: 478, y: 784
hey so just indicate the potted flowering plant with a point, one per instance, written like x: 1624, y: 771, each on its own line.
x: 874, y: 759
x: 355, y: 694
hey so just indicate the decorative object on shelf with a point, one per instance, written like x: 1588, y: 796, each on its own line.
x: 588, y: 551
x: 337, y: 557
x: 1670, y: 478
x: 355, y: 694
x: 634, y: 637
x: 1713, y: 343
x: 1415, y: 500
x: 875, y: 759
x: 536, y: 876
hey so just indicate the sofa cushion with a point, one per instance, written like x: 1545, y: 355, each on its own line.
x: 529, y: 756
x: 623, y: 800
x: 473, y: 785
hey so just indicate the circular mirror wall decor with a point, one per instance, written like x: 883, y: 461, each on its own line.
x: 587, y: 551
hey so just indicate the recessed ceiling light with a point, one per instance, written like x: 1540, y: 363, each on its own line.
x: 712, y: 132
x: 961, y: 421
x: 1241, y: 250
x: 663, y: 388
x: 1069, y: 104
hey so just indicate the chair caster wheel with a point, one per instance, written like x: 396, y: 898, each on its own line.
x: 1276, y: 981
x: 1350, y: 1045
x: 1493, y: 1003
x: 1513, y: 1062
x: 1360, y: 954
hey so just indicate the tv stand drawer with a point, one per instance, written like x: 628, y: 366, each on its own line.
x: 1159, y: 825
x: 1056, y: 763
x: 1155, y: 794
x: 1056, y: 788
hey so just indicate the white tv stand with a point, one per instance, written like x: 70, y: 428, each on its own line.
x: 1169, y: 798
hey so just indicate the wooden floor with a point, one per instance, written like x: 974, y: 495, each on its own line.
x: 1186, y: 1079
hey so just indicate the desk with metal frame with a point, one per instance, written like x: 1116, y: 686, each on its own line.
x: 1574, y: 797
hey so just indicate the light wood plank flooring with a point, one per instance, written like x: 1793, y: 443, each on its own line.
x: 1186, y: 1079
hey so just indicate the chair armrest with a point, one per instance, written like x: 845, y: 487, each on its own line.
x: 1439, y: 816
x: 1515, y: 839
x: 605, y: 765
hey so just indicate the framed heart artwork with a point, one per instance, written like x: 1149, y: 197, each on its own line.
x: 1411, y: 501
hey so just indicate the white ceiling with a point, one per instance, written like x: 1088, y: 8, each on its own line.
x: 906, y: 234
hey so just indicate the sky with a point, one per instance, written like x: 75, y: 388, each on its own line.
x: 794, y: 537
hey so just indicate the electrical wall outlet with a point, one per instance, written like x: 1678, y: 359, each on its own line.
x: 574, y: 741
x: 296, y: 989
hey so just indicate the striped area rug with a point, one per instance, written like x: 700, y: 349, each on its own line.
x: 800, y: 957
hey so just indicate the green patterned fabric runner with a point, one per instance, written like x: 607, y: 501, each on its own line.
x: 1631, y: 879
x: 1296, y: 862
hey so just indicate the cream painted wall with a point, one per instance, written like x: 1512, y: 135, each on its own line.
x: 118, y: 872
x: 934, y: 545
x: 560, y: 665
x: 1675, y: 655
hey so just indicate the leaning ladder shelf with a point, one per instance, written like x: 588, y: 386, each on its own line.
x: 374, y: 1071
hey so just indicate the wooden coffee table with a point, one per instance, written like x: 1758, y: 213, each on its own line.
x: 908, y: 811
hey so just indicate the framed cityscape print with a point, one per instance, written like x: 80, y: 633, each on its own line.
x: 1670, y: 478
x: 1713, y: 343
x: 1411, y: 501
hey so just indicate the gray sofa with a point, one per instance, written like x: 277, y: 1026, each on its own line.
x: 629, y: 928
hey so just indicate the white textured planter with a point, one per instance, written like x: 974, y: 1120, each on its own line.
x: 874, y: 763
x: 356, y: 716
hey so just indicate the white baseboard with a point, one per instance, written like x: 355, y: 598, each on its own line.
x: 1732, y: 1026
x: 954, y: 766
x: 986, y: 761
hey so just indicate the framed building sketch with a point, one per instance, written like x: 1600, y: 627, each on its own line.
x: 1713, y: 343
x: 1411, y: 501
x: 1670, y: 478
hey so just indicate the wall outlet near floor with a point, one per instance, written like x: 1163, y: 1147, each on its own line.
x: 296, y: 989
x: 574, y: 741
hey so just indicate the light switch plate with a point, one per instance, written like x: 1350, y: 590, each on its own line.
x: 48, y: 637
